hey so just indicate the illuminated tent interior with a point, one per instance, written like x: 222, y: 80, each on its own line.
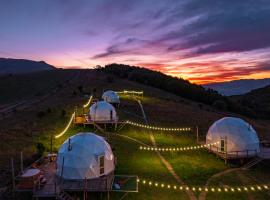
x: 84, y: 155
x: 240, y: 136
x: 102, y: 111
x: 111, y: 97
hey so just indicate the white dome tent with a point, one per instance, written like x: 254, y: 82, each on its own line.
x: 84, y: 155
x: 102, y: 111
x: 235, y: 136
x: 111, y: 97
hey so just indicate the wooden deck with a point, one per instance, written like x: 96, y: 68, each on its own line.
x: 102, y: 184
x: 231, y: 155
x: 51, y: 188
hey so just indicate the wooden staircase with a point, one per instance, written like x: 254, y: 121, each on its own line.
x: 64, y: 196
x: 253, y: 162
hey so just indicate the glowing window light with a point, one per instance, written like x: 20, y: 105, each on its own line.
x: 67, y: 127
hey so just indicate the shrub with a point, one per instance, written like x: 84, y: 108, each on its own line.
x: 40, y: 148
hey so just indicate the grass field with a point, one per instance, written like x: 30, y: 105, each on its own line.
x: 25, y: 129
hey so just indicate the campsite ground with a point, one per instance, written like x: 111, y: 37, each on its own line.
x: 37, y: 123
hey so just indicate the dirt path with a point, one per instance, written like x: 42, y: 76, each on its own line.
x: 169, y: 167
x: 203, y: 193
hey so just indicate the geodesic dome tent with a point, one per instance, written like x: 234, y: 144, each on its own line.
x: 234, y: 136
x: 102, y: 111
x: 84, y: 155
x: 111, y: 97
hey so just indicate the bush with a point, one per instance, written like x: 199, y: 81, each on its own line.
x: 109, y: 79
x: 41, y: 114
x: 63, y: 113
x: 221, y: 105
x: 40, y: 148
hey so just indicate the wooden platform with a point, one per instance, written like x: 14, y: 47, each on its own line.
x: 54, y: 185
x: 231, y: 155
x: 51, y: 188
x: 101, y: 184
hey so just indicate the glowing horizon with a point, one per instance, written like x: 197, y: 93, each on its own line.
x: 203, y: 42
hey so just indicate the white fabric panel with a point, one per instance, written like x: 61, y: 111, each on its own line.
x: 101, y: 111
x: 110, y: 97
x: 82, y: 160
x: 240, y: 135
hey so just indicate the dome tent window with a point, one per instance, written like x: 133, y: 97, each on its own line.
x: 101, y: 164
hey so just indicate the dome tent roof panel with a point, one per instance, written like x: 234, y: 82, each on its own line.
x: 82, y: 160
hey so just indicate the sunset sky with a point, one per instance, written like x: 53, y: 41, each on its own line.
x: 200, y: 40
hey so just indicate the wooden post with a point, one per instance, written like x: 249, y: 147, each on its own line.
x: 13, y: 177
x: 197, y: 133
x: 21, y: 162
x: 225, y: 146
x: 51, y: 143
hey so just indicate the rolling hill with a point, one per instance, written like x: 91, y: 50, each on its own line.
x: 19, y: 66
x: 238, y: 87
x: 29, y: 125
x: 257, y: 100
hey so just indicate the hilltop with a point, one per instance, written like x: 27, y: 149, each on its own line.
x: 19, y: 66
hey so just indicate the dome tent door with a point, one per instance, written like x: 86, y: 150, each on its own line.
x: 223, y: 144
x: 101, y: 164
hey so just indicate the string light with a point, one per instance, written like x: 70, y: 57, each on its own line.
x: 130, y: 92
x: 88, y: 102
x: 67, y: 127
x: 206, y: 189
x: 157, y: 128
x: 177, y: 149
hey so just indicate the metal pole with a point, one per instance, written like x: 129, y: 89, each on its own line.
x: 21, y: 161
x: 225, y: 149
x: 197, y: 133
x: 13, y: 177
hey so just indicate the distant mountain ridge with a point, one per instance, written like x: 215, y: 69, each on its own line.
x: 238, y: 87
x: 19, y: 66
